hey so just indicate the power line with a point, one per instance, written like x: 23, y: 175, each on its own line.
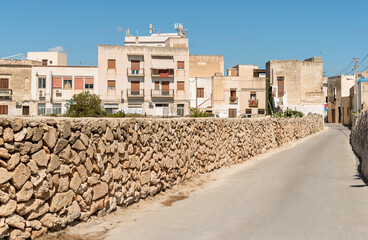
x: 364, y: 59
x: 345, y: 69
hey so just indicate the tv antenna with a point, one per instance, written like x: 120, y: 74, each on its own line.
x: 151, y: 29
x: 180, y: 29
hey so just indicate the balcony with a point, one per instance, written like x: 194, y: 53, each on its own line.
x: 253, y: 103
x: 6, y: 93
x: 135, y: 73
x: 162, y: 93
x: 162, y: 73
x: 135, y: 93
x: 233, y: 100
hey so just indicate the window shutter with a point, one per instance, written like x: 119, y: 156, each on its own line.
x: 280, y: 86
x: 89, y: 80
x: 135, y: 86
x: 4, y: 83
x: 56, y: 83
x: 157, y: 85
x: 180, y: 64
x: 180, y: 86
x: 78, y: 83
x: 111, y: 83
x: 135, y: 65
x: 165, y: 86
x: 111, y: 63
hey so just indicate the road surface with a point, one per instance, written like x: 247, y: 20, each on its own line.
x: 308, y: 191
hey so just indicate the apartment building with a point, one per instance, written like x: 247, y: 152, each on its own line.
x: 201, y: 70
x: 297, y: 84
x: 338, y: 91
x: 15, y: 86
x: 242, y: 91
x: 148, y: 75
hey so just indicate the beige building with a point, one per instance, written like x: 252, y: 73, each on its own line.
x: 242, y: 91
x: 338, y: 87
x: 53, y: 86
x: 15, y: 86
x: 49, y: 58
x: 201, y: 70
x: 297, y: 84
x: 149, y: 75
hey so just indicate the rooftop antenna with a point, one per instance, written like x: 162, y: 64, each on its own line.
x: 137, y: 33
x: 128, y: 33
x: 20, y: 56
x: 151, y: 29
x: 180, y: 29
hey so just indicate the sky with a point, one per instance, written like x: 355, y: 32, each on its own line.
x: 245, y: 32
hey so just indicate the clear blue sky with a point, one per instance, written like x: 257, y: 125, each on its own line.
x: 245, y: 32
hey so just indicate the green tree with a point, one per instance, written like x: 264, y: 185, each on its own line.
x: 85, y: 104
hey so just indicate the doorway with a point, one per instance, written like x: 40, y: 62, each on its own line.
x: 25, y: 111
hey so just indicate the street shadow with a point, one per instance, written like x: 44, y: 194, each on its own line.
x: 358, y: 186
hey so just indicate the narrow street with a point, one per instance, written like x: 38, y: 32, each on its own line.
x: 308, y: 191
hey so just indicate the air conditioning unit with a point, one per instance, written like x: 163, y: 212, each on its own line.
x: 58, y: 91
x: 42, y: 93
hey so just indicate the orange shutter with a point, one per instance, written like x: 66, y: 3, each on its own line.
x: 135, y: 65
x: 111, y: 63
x: 89, y: 80
x: 135, y: 86
x: 165, y: 86
x: 56, y: 83
x: 78, y: 83
x: 181, y: 64
x: 111, y: 83
x: 181, y: 86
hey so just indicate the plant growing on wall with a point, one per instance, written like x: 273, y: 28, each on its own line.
x: 288, y: 113
x: 85, y: 104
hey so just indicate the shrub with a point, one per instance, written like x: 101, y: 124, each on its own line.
x: 85, y: 104
x: 195, y: 112
x: 118, y: 114
x: 288, y: 113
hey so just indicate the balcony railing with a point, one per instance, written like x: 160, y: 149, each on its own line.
x: 162, y: 93
x: 135, y: 93
x: 162, y: 73
x: 135, y: 73
x: 233, y: 100
x: 253, y: 103
x: 6, y: 93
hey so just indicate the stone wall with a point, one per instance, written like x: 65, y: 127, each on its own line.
x: 359, y: 140
x: 56, y: 171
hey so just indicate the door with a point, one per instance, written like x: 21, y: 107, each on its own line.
x: 165, y: 88
x: 232, y: 113
x: 135, y: 87
x: 333, y: 115
x: 25, y: 110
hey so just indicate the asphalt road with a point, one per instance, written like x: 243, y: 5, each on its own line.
x: 308, y: 191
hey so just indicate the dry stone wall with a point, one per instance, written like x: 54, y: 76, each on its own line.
x: 56, y: 171
x: 359, y: 141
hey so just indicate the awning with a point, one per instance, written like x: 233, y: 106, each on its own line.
x: 362, y: 79
x: 162, y: 63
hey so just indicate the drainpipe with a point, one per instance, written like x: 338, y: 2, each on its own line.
x: 51, y: 87
x: 196, y: 94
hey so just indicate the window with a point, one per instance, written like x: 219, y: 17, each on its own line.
x: 78, y: 83
x: 261, y: 111
x: 111, y: 84
x: 41, y: 108
x: 280, y: 86
x: 111, y: 108
x: 135, y: 87
x: 248, y: 111
x: 67, y: 84
x: 157, y: 85
x: 111, y: 63
x: 4, y: 109
x: 232, y: 113
x: 180, y: 110
x: 253, y: 96
x: 135, y: 65
x: 42, y: 83
x: 56, y: 108
x: 233, y: 93
x: 180, y: 65
x: 4, y: 83
x: 44, y: 62
x: 180, y: 86
x: 88, y: 86
x: 200, y: 92
x: 89, y: 83
x: 56, y: 82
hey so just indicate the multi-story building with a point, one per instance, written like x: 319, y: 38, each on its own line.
x: 297, y: 84
x: 201, y: 70
x: 149, y: 75
x: 242, y: 91
x: 338, y: 87
x: 15, y: 86
x: 53, y: 86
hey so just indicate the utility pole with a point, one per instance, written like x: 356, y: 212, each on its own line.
x: 356, y: 84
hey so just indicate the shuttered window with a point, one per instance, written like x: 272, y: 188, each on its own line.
x: 280, y: 86
x: 4, y: 109
x: 232, y: 113
x: 180, y: 64
x: 200, y: 92
x: 78, y: 83
x: 135, y: 85
x: 165, y: 87
x: 111, y: 63
x: 111, y: 84
x: 4, y: 83
x: 180, y: 86
x: 135, y: 65
x: 56, y: 82
x: 157, y: 85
